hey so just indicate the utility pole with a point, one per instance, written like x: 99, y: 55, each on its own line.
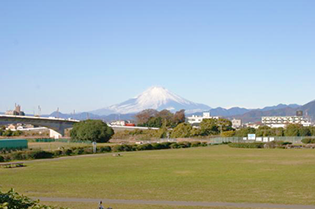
x: 39, y: 111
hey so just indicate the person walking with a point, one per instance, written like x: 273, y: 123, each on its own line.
x: 100, y: 205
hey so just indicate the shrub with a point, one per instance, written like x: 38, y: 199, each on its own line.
x: 308, y: 141
x: 122, y: 148
x: 68, y: 152
x: 106, y: 149
x: 174, y: 146
x: 19, y: 156
x: 195, y: 144
x: 57, y: 153
x: 1, y: 158
x: 41, y: 154
x: 12, y: 200
x: 184, y: 144
x: 247, y: 145
x: 145, y: 147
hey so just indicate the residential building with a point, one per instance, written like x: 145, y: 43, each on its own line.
x: 236, y: 123
x: 197, y: 119
x: 282, y: 121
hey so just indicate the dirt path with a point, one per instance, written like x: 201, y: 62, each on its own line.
x: 177, y: 203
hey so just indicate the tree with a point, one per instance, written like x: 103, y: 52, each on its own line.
x: 224, y: 124
x: 7, y: 133
x: 264, y: 131
x: 209, y: 127
x: 278, y: 131
x: 243, y: 132
x: 162, y: 133
x: 181, y: 131
x: 143, y: 116
x: 92, y: 130
x: 165, y: 115
x: 154, y: 122
x: 292, y: 130
x: 305, y: 131
x: 179, y: 117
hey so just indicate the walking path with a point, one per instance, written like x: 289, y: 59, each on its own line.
x: 177, y: 203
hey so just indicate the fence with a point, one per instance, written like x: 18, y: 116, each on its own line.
x: 8, y: 144
x: 294, y: 140
x: 62, y: 140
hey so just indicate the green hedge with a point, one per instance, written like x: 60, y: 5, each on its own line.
x: 308, y: 141
x: 40, y: 154
x: 247, y: 145
x: 12, y: 200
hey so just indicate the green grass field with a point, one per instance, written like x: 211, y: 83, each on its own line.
x: 212, y: 174
x: 50, y: 146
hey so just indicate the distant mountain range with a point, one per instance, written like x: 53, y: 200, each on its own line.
x: 160, y: 98
x: 281, y: 110
x: 156, y: 97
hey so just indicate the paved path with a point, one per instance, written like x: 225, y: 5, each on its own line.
x: 177, y: 203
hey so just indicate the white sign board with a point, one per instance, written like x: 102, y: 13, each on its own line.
x: 271, y: 139
x: 251, y: 136
x: 259, y: 139
x: 265, y: 139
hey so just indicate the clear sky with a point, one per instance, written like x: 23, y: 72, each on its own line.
x: 85, y: 55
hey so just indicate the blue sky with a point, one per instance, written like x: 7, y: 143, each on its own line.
x: 84, y: 55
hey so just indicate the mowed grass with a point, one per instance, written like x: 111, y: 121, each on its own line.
x: 133, y: 206
x: 212, y: 174
x: 51, y: 146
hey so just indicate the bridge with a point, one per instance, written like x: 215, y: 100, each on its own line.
x: 57, y: 124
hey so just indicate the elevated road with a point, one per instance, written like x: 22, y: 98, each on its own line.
x: 57, y: 124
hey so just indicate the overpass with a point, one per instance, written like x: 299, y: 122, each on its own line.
x: 123, y: 128
x: 57, y: 124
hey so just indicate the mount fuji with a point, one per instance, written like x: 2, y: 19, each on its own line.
x: 157, y: 98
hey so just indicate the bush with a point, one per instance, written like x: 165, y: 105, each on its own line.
x: 106, y: 149
x: 195, y: 144
x: 12, y: 200
x: 144, y: 147
x: 2, y: 158
x: 68, y: 152
x: 122, y: 148
x: 57, y: 153
x: 184, y: 144
x: 308, y: 141
x: 41, y: 154
x: 20, y: 155
x: 247, y: 145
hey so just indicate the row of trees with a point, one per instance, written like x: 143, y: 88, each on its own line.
x: 4, y: 132
x: 290, y: 130
x: 154, y: 118
x: 208, y: 127
x: 223, y: 127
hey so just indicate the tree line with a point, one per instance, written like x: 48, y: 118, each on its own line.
x: 154, y: 118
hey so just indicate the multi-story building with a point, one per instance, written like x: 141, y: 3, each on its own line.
x: 282, y: 121
x: 236, y: 123
x: 196, y: 119
x: 17, y: 111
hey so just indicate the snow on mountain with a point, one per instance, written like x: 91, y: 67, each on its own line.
x: 156, y: 97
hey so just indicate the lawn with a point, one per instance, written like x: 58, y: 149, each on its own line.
x: 50, y: 146
x: 212, y: 174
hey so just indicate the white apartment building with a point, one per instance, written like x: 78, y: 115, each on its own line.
x: 236, y: 123
x: 282, y: 121
x: 196, y: 119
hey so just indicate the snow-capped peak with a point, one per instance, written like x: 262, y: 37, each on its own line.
x: 155, y: 97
